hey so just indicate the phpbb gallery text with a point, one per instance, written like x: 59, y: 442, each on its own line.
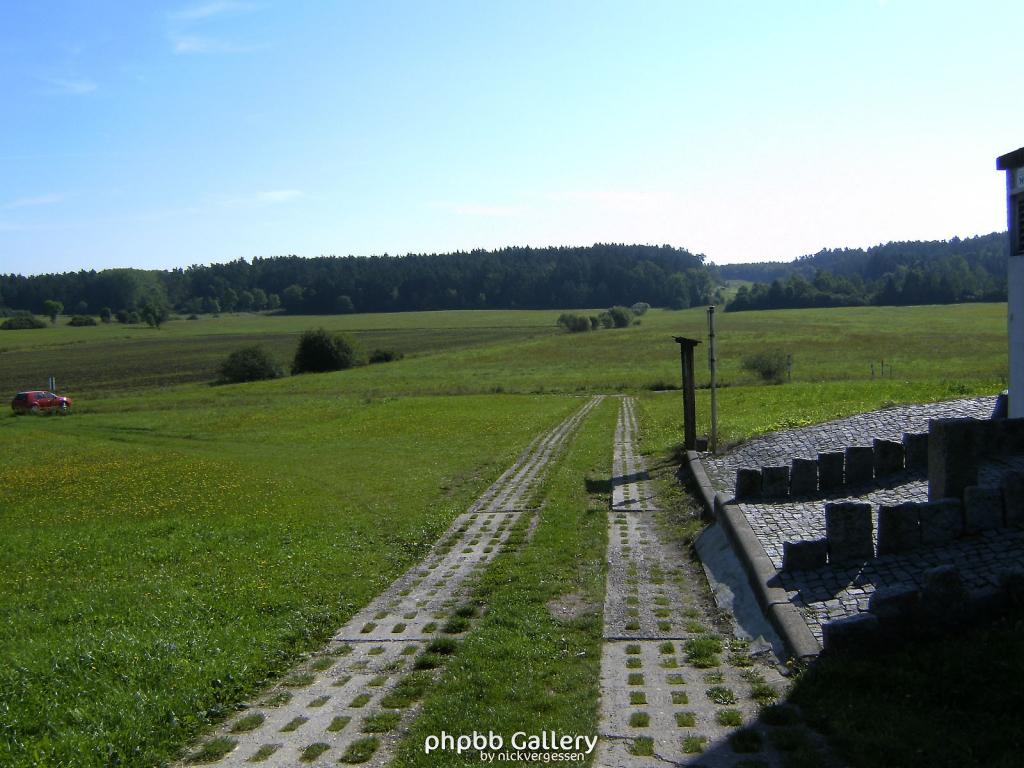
x: 545, y: 747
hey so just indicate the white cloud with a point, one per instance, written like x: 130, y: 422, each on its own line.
x: 184, y: 21
x: 77, y: 86
x: 196, y: 44
x: 26, y: 202
x: 208, y: 10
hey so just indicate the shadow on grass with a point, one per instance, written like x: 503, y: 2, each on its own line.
x: 598, y: 485
x: 928, y: 702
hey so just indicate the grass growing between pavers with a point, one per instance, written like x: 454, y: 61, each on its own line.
x: 556, y: 661
x: 159, y: 567
x: 951, y: 702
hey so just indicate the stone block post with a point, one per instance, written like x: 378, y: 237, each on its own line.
x: 848, y: 530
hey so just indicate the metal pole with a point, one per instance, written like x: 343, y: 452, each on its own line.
x: 713, y: 365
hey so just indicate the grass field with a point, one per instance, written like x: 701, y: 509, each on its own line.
x: 157, y: 567
x: 169, y: 550
x: 959, y: 347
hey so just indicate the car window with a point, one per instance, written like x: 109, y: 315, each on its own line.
x: 21, y: 396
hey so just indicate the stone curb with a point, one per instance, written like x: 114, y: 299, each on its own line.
x: 784, y: 616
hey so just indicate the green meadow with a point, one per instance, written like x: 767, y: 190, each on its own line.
x: 172, y: 546
x: 506, y: 351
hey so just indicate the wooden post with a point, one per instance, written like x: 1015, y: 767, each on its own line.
x: 689, y: 392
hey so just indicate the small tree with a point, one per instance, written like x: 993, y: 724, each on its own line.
x: 106, y: 315
x: 320, y: 351
x: 640, y: 308
x: 293, y: 297
x: 249, y: 364
x: 154, y: 313
x: 51, y: 309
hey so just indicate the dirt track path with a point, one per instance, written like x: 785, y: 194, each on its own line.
x: 352, y: 700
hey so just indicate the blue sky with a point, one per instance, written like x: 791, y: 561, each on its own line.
x: 159, y: 135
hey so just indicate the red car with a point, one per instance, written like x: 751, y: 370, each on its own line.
x: 38, y: 401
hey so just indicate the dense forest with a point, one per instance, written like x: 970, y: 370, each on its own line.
x: 920, y: 272
x: 927, y: 272
x: 534, y: 278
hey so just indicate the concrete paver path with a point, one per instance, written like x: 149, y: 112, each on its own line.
x: 350, y: 701
x: 674, y: 690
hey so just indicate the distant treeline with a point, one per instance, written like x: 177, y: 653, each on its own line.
x: 920, y: 272
x: 510, y: 278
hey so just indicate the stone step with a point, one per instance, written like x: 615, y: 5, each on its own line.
x: 853, y: 467
x: 906, y: 526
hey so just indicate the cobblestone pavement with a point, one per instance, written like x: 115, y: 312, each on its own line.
x: 831, y: 593
x: 807, y: 442
x: 350, y: 701
x: 828, y: 594
x: 673, y: 689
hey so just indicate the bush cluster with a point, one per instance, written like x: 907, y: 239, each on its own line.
x: 22, y: 322
x: 128, y: 317
x: 318, y: 351
x: 616, y: 317
x: 82, y: 320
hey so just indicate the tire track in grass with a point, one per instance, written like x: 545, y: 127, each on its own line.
x: 350, y: 701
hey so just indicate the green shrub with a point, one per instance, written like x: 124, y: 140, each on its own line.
x: 574, y: 323
x: 640, y: 308
x: 81, y: 320
x: 249, y: 364
x: 22, y: 323
x: 770, y: 365
x: 320, y: 351
x: 621, y: 317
